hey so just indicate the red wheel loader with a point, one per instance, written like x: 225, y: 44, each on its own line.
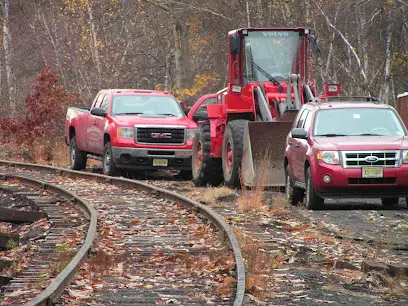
x: 241, y: 138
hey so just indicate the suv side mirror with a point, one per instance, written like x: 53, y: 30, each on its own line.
x: 97, y: 111
x: 299, y: 133
x: 199, y: 116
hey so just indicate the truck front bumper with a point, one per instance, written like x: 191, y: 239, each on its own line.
x: 145, y: 159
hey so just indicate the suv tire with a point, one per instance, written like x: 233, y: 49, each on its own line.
x: 205, y: 169
x: 77, y: 158
x: 388, y: 202
x: 108, y: 165
x: 232, y: 147
x: 293, y: 194
x: 312, y: 200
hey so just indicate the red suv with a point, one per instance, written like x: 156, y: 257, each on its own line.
x: 346, y: 149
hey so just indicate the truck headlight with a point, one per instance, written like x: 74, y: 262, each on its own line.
x: 125, y: 132
x: 190, y: 134
x: 329, y: 157
x: 405, y: 156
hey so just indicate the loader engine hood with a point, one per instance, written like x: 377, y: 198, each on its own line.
x: 362, y: 143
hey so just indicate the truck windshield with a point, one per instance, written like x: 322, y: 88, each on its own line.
x: 146, y: 105
x: 276, y: 52
x: 361, y: 121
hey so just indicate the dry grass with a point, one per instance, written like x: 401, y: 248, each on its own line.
x: 253, y: 200
x: 212, y: 195
x: 258, y: 262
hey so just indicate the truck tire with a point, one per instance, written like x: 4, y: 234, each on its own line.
x: 232, y: 147
x: 387, y: 202
x: 77, y: 158
x: 108, y: 165
x: 312, y: 201
x: 295, y: 195
x: 206, y: 170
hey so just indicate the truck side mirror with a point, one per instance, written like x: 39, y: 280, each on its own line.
x: 299, y: 133
x: 235, y: 44
x: 199, y: 116
x: 97, y: 111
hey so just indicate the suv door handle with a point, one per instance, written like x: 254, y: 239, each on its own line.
x: 290, y: 143
x: 94, y: 123
x: 297, y: 145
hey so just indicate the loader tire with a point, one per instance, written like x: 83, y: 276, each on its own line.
x: 77, y: 157
x: 206, y: 170
x: 108, y: 164
x: 232, y: 147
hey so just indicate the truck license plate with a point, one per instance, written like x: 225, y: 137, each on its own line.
x: 160, y: 162
x: 372, y: 172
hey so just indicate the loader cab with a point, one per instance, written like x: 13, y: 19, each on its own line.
x: 269, y: 62
x: 279, y: 52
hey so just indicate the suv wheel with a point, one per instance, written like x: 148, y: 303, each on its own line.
x: 293, y: 194
x: 313, y: 201
x: 387, y: 202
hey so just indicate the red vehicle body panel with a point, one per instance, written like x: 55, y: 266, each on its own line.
x: 93, y: 131
x: 241, y: 105
x: 301, y: 153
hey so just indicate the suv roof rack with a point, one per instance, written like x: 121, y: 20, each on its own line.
x: 353, y: 99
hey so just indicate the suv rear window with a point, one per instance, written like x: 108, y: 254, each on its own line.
x: 357, y: 122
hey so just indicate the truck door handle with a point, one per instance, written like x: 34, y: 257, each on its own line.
x: 290, y: 143
x: 94, y: 123
x: 297, y: 145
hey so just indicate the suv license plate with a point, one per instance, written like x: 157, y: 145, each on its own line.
x: 160, y: 162
x: 372, y: 172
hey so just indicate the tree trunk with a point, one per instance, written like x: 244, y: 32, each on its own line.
x: 7, y: 55
x: 94, y: 45
x: 385, y: 88
x: 181, y: 54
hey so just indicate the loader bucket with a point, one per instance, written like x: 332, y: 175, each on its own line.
x: 263, y: 153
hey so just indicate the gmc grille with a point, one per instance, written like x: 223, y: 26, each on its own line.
x: 358, y: 159
x: 152, y: 135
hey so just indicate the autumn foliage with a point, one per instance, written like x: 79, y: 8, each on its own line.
x: 41, y: 122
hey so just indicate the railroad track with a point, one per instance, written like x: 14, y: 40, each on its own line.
x: 152, y: 245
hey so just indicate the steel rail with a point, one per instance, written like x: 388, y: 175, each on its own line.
x: 57, y: 285
x: 203, y: 210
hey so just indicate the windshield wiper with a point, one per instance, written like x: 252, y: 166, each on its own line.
x: 330, y: 135
x: 370, y: 134
x: 129, y: 113
x: 265, y: 73
x: 171, y: 115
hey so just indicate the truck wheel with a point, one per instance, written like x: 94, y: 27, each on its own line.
x: 109, y: 167
x: 77, y: 158
x: 232, y: 147
x: 313, y: 202
x: 206, y: 170
x: 387, y: 202
x: 293, y: 194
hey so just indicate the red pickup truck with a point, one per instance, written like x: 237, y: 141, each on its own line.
x: 346, y: 149
x: 132, y: 129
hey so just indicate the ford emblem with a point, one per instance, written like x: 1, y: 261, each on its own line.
x: 371, y: 159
